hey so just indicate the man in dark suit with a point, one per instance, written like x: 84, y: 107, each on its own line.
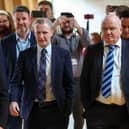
x: 3, y: 93
x: 20, y: 40
x: 51, y: 112
x: 106, y: 106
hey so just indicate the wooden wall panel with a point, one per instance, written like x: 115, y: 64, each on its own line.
x: 33, y: 4
x: 9, y: 5
x: 1, y: 4
x: 16, y: 3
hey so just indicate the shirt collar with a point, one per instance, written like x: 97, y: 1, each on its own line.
x: 118, y: 43
x: 27, y: 38
x: 48, y: 48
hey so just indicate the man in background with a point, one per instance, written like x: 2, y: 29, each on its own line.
x: 73, y: 38
x: 125, y: 24
x: 95, y: 37
x: 18, y: 41
x: 6, y: 24
x: 47, y: 8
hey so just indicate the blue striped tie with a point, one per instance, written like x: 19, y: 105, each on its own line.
x: 42, y: 76
x: 107, y: 74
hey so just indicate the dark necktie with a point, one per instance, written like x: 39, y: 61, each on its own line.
x: 42, y: 76
x: 107, y: 74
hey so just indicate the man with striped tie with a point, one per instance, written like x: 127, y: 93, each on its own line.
x: 105, y: 79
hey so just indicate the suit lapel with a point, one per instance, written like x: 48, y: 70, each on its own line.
x: 13, y: 48
x: 125, y: 58
x: 53, y: 63
x: 32, y: 40
x: 100, y: 55
x: 34, y: 61
x: 98, y: 63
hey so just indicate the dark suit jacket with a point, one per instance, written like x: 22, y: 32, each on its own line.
x: 3, y: 92
x: 61, y: 79
x: 9, y: 48
x: 90, y: 81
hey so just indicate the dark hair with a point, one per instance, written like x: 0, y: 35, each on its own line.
x: 122, y: 11
x: 44, y: 2
x: 125, y: 14
x: 67, y: 14
x: 21, y: 8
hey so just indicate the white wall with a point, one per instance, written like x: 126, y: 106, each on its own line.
x: 81, y: 7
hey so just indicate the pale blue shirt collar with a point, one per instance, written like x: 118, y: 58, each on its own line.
x: 22, y: 44
x: 28, y: 36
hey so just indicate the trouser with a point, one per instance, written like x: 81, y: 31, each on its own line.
x: 77, y: 107
x: 103, y: 116
x: 47, y: 116
x: 14, y: 122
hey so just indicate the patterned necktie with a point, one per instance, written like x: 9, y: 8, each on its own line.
x: 42, y: 76
x: 107, y: 74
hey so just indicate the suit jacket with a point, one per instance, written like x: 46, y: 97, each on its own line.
x: 9, y: 48
x: 3, y: 92
x: 91, y: 75
x: 61, y: 79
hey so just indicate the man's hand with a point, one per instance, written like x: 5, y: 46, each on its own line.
x: 78, y: 27
x: 14, y: 109
x: 58, y: 22
x: 1, y: 127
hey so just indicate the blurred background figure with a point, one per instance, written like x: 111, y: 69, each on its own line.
x: 123, y: 14
x: 110, y: 9
x: 47, y: 8
x: 73, y: 38
x: 95, y: 37
x: 121, y: 9
x: 116, y: 9
x: 125, y: 24
x: 6, y: 24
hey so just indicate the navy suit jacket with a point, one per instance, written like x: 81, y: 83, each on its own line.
x: 90, y: 81
x: 9, y: 49
x: 3, y: 91
x: 61, y: 79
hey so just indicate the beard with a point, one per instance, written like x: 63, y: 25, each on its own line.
x: 22, y: 30
x: 4, y: 30
x: 66, y: 32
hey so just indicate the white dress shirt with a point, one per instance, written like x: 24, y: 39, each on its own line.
x: 117, y: 96
x: 49, y: 93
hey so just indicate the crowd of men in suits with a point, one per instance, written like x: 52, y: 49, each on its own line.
x: 44, y: 76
